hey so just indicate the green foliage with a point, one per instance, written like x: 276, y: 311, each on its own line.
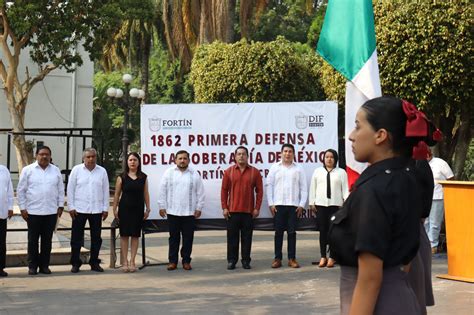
x: 315, y: 28
x: 425, y: 56
x: 425, y: 52
x: 288, y: 18
x: 166, y: 87
x: 108, y: 120
x: 53, y: 29
x: 255, y: 72
x: 469, y: 167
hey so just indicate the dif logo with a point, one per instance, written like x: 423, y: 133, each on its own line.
x: 312, y: 121
x: 316, y: 121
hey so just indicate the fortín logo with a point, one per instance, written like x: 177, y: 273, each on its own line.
x: 155, y: 123
x: 313, y: 121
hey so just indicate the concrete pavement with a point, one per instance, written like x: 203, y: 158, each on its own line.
x: 208, y: 289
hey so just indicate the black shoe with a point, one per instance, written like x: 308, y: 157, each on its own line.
x: 246, y: 265
x: 75, y: 268
x: 32, y: 271
x: 230, y: 266
x: 3, y: 273
x: 97, y: 268
x: 45, y: 271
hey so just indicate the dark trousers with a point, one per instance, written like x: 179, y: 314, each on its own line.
x: 239, y: 225
x: 3, y: 243
x: 77, y: 237
x: 40, y: 226
x: 180, y: 225
x: 285, y: 219
x: 323, y: 219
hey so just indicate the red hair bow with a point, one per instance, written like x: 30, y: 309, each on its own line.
x: 420, y: 152
x: 417, y: 125
x: 437, y: 135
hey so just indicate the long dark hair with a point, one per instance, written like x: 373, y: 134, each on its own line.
x: 387, y: 112
x: 140, y: 174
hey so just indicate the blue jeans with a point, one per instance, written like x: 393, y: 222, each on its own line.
x: 434, y: 221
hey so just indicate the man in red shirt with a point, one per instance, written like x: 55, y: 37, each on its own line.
x: 241, y: 198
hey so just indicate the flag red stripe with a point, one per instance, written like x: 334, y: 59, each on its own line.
x: 351, y: 176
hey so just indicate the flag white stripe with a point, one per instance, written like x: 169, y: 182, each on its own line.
x: 364, y: 86
x: 367, y: 79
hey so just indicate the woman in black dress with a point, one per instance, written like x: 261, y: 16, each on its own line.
x: 131, y: 188
x: 376, y: 234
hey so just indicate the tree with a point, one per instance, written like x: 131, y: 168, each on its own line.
x: 255, y: 72
x: 130, y: 44
x: 190, y: 23
x: 288, y: 18
x: 426, y: 51
x: 51, y: 30
x: 108, y: 121
x: 425, y: 57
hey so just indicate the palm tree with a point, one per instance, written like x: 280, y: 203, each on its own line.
x: 130, y: 45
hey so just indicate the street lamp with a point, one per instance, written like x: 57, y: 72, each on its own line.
x: 126, y: 100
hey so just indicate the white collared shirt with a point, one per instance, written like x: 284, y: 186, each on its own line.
x: 318, y: 187
x: 40, y: 191
x: 6, y: 192
x: 441, y: 171
x: 88, y: 191
x: 286, y: 185
x: 181, y: 193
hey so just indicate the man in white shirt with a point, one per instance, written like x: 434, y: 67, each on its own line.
x: 441, y: 171
x: 88, y: 200
x: 181, y: 199
x: 40, y: 195
x: 6, y: 211
x: 287, y: 193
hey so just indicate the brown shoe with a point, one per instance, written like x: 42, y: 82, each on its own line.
x: 172, y: 266
x: 276, y: 263
x: 187, y: 266
x: 293, y: 263
x: 323, y: 262
x: 331, y: 263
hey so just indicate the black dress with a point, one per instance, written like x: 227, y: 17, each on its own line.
x: 132, y: 206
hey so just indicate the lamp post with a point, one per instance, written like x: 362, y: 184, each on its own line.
x: 125, y: 100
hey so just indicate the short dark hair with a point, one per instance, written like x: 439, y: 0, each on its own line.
x: 334, y: 153
x: 182, y: 152
x: 39, y: 148
x: 288, y: 145
x: 243, y: 148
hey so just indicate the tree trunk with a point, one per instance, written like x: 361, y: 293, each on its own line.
x: 246, y: 8
x: 24, y: 155
x: 206, y: 23
x: 462, y: 144
x: 188, y: 23
x: 175, y: 33
x: 224, y: 18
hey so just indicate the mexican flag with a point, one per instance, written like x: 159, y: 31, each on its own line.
x: 347, y: 42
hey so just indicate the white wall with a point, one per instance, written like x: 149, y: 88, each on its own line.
x: 61, y: 100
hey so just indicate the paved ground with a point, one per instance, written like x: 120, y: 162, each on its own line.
x: 208, y: 289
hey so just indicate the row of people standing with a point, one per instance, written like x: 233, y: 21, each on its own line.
x: 375, y: 236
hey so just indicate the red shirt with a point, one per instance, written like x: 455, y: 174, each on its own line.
x: 239, y: 189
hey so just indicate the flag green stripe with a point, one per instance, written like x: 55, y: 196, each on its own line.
x: 347, y: 38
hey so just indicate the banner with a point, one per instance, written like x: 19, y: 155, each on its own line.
x: 212, y: 132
